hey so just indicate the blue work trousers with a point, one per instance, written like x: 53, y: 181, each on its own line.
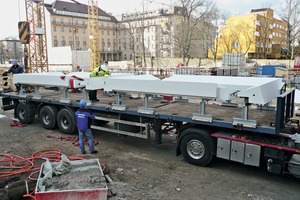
x: 89, y: 135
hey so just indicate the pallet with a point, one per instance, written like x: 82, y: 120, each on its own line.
x: 6, y: 83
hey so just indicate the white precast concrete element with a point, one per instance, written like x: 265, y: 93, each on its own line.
x: 149, y: 84
x: 258, y: 90
x: 95, y: 83
x: 71, y: 80
x: 43, y: 79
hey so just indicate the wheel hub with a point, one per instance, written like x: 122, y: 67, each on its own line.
x: 195, y: 149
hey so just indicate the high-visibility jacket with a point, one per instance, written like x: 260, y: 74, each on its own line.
x: 97, y: 72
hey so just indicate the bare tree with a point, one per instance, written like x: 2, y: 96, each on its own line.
x: 290, y: 12
x: 3, y: 53
x: 201, y: 42
x: 131, y: 37
x: 246, y: 36
x: 264, y: 35
x: 239, y: 37
x: 229, y: 39
x: 142, y: 33
x: 193, y: 11
x: 212, y: 30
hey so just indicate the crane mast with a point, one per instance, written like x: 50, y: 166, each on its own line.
x: 37, y: 51
x: 93, y: 19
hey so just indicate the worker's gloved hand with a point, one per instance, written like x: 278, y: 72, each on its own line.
x: 97, y: 73
x: 4, y: 73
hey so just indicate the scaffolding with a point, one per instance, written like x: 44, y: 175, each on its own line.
x: 93, y: 34
x: 37, y: 51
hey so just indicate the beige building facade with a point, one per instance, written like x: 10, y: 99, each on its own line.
x: 69, y: 27
x: 154, y: 30
x: 119, y: 40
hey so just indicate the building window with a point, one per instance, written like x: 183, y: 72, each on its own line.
x: 54, y: 28
x: 55, y: 42
x: 62, y: 29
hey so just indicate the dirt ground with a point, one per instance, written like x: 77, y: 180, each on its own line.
x: 143, y: 170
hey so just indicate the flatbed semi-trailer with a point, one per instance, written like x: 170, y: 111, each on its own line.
x: 261, y: 135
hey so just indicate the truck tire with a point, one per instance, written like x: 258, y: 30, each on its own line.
x: 66, y: 121
x: 48, y: 117
x: 197, y: 147
x: 25, y: 112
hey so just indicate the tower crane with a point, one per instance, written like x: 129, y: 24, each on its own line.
x: 160, y: 3
x: 37, y: 50
x: 93, y: 33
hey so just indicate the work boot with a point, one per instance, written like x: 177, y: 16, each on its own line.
x: 94, y: 152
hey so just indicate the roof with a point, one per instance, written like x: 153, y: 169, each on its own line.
x: 74, y: 7
x: 259, y: 10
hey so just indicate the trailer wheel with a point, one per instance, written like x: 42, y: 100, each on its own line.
x: 25, y: 112
x: 197, y: 147
x: 48, y: 115
x: 66, y: 121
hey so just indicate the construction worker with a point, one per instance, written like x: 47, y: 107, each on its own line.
x: 15, y: 69
x: 83, y: 121
x: 98, y: 72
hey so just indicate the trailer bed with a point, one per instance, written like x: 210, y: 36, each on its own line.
x: 183, y: 108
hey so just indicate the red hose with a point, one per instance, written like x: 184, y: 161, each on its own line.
x: 11, y: 165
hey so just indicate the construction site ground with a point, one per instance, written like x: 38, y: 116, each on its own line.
x: 141, y: 169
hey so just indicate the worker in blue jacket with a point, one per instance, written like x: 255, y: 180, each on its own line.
x: 84, y: 119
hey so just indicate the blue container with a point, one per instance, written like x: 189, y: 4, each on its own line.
x: 268, y: 70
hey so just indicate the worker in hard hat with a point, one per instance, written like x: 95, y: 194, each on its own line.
x: 15, y: 69
x: 98, y: 72
x: 84, y: 120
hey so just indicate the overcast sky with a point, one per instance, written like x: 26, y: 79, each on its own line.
x: 13, y: 11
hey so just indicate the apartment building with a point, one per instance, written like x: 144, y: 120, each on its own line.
x: 10, y: 49
x: 152, y: 30
x: 259, y: 34
x: 69, y: 27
